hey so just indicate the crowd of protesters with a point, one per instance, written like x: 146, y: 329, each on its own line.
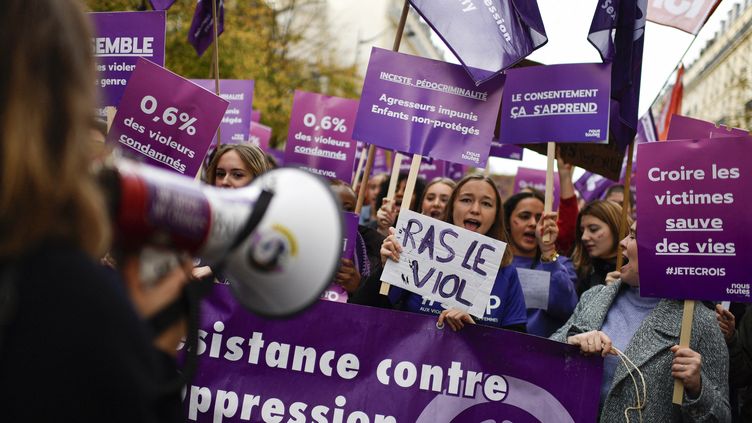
x: 117, y: 368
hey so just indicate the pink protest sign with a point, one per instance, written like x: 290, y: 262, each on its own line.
x: 320, y: 135
x: 687, y: 128
x: 693, y: 225
x: 260, y: 135
x: 255, y: 116
x: 165, y: 119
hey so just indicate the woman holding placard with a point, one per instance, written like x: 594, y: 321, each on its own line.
x: 596, y: 243
x: 475, y: 205
x: 639, y: 382
x: 387, y: 214
x: 527, y: 225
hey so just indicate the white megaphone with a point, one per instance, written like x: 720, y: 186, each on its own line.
x: 278, y: 241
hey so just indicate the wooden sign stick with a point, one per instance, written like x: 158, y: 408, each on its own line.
x: 110, y: 111
x: 548, y: 205
x: 364, y: 181
x: 216, y: 60
x: 624, y: 226
x: 363, y: 154
x: 684, y: 337
x: 412, y: 177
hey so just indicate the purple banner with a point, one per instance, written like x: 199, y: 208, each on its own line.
x: 236, y: 123
x: 429, y: 168
x: 536, y: 179
x: 427, y: 107
x: 561, y: 103
x: 505, y: 151
x: 121, y: 38
x: 320, y: 135
x: 161, y: 4
x: 347, y: 363
x: 487, y: 37
x: 350, y: 223
x: 693, y: 230
x: 455, y: 171
x: 201, y: 33
x: 260, y: 135
x: 165, y: 119
x: 687, y: 128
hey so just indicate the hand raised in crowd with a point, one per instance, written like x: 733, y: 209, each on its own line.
x: 593, y: 342
x: 686, y: 367
x: 201, y: 272
x: 612, y: 277
x: 347, y: 276
x: 150, y: 299
x: 390, y: 247
x: 547, y: 225
x: 456, y: 319
x: 726, y: 321
x: 385, y: 216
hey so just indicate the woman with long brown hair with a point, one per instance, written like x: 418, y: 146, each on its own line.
x: 67, y: 327
x: 596, y: 243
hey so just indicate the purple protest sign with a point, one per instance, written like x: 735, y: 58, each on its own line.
x: 429, y: 168
x: 260, y: 135
x: 561, y: 103
x: 201, y: 33
x: 161, y: 4
x: 165, y: 119
x: 455, y: 171
x: 335, y: 292
x: 687, y: 128
x: 278, y: 155
x: 121, y: 38
x: 255, y: 116
x: 693, y: 232
x: 320, y: 135
x: 379, y: 159
x: 536, y: 179
x: 236, y: 123
x: 487, y: 37
x: 505, y: 151
x: 342, y: 362
x: 427, y: 107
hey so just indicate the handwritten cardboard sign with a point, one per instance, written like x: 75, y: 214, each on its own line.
x: 445, y: 263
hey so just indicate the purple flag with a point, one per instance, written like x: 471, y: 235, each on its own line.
x: 161, y: 4
x: 348, y: 363
x: 618, y: 33
x: 486, y: 36
x: 201, y: 33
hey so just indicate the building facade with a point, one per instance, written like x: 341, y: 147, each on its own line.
x: 717, y: 86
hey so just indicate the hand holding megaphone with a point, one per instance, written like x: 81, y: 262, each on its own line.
x: 278, y: 241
